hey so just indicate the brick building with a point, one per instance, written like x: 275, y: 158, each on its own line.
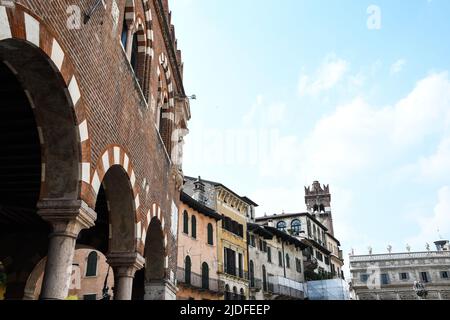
x: 93, y: 115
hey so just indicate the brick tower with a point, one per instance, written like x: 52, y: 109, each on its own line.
x: 318, y: 199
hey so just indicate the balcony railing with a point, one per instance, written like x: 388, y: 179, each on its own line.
x: 196, y: 281
x: 255, y: 284
x: 234, y: 272
x: 232, y: 296
x: 285, y: 287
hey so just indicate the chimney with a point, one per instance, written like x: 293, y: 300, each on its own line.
x: 199, y: 191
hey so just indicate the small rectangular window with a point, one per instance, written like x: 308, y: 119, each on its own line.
x: 424, y: 276
x: 269, y: 254
x: 364, y: 278
x: 384, y: 278
x: 404, y: 276
x: 444, y: 275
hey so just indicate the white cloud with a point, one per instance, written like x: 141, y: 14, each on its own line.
x: 326, y: 77
x: 397, y: 66
x: 358, y: 136
x: 430, y: 223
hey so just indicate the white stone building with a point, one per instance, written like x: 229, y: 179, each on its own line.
x: 392, y: 276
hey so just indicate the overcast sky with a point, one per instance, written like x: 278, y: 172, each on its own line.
x: 355, y: 94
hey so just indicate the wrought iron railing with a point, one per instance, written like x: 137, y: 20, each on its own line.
x: 195, y: 280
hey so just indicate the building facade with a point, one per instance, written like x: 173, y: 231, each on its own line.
x: 402, y: 276
x: 232, y: 243
x: 275, y: 264
x: 95, y: 111
x: 197, y: 275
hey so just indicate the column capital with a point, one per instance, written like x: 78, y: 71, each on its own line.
x: 68, y: 217
x: 125, y: 263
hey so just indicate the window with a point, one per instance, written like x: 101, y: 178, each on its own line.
x: 124, y: 37
x: 235, y: 294
x: 91, y: 268
x: 327, y: 261
x: 281, y: 226
x: 404, y: 276
x: 230, y: 261
x: 424, y: 276
x: 384, y: 278
x: 90, y: 297
x: 280, y: 259
x: 210, y: 234
x: 269, y: 254
x: 264, y: 275
x: 444, y: 275
x: 319, y: 256
x: 242, y: 294
x: 296, y: 227
x: 288, y: 262
x: 309, y: 228
x: 227, y: 292
x: 134, y: 53
x: 252, y: 274
x: 298, y: 265
x: 194, y: 227
x: 185, y: 222
x: 187, y: 270
x: 364, y: 278
x: 205, y: 276
x: 264, y: 246
x: 260, y: 245
x: 241, y: 270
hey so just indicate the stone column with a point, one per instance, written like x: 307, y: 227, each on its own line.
x: 68, y: 218
x: 160, y: 290
x: 125, y: 266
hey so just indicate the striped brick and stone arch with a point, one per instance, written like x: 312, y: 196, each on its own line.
x: 156, y: 257
x: 46, y: 142
x: 138, y: 54
x: 25, y: 31
x: 149, y: 47
x: 166, y: 102
x: 117, y: 203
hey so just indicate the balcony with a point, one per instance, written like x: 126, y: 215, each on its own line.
x: 310, y: 263
x: 196, y: 281
x: 285, y: 288
x: 235, y: 272
x: 255, y: 284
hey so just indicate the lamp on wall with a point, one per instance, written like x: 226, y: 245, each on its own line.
x: 191, y: 97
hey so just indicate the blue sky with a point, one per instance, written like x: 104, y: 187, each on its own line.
x: 300, y: 90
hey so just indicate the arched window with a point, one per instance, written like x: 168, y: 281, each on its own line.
x: 91, y: 268
x: 288, y: 262
x: 235, y: 294
x: 242, y: 294
x: 124, y: 37
x: 185, y: 222
x: 227, y: 292
x: 252, y: 274
x: 281, y: 226
x: 316, y: 208
x: 187, y: 270
x: 264, y: 275
x: 280, y: 259
x: 205, y: 276
x: 322, y: 208
x: 194, y: 227
x: 296, y: 227
x: 134, y: 53
x: 210, y: 234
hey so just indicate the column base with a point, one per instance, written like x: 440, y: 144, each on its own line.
x: 160, y: 290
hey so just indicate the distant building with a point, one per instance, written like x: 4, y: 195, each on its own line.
x: 322, y: 256
x: 275, y: 264
x: 232, y: 250
x: 402, y: 276
x: 197, y: 251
